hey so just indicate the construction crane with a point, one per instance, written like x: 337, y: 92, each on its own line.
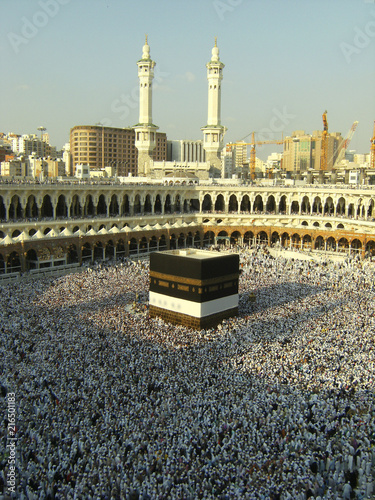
x: 252, y: 144
x: 324, y: 147
x: 344, y: 144
x: 372, y: 150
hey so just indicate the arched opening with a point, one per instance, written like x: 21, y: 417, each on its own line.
x: 133, y: 247
x: 157, y: 205
x: 222, y: 238
x: 370, y: 248
x: 114, y: 208
x: 328, y: 206
x: 120, y: 249
x: 16, y: 233
x: 3, y: 212
x: 220, y: 203
x: 235, y: 238
x: 46, y: 210
x: 189, y: 240
x: 125, y: 209
x: 207, y: 203
x: 233, y: 203
x: 356, y: 246
x: 61, y: 207
x: 262, y: 238
x: 342, y: 245
x: 89, y: 206
x: 282, y: 205
x: 351, y: 210
x: 275, y: 238
x: 75, y: 207
x: 319, y: 243
x: 177, y: 204
x: 295, y: 207
x: 258, y: 204
x: 248, y: 238
x: 86, y: 253
x: 32, y: 261
x: 340, y: 207
x: 143, y: 245
x: 110, y: 250
x: 2, y: 264
x: 296, y: 240
x: 305, y: 205
x: 72, y: 254
x: 317, y: 207
x: 328, y: 224
x: 173, y: 242
x: 153, y: 244
x: 306, y: 241
x: 316, y: 224
x: 370, y: 209
x: 209, y: 238
x: 168, y: 204
x: 47, y: 230
x: 331, y: 244
x: 147, y: 205
x: 181, y: 241
x: 31, y: 209
x: 197, y: 240
x: 245, y: 204
x: 271, y: 204
x: 162, y: 243
x: 13, y: 263
x: 98, y: 251
x: 304, y: 223
x: 15, y: 208
x: 340, y: 226
x: 102, y: 206
x: 285, y: 240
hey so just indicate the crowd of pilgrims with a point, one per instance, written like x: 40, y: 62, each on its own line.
x: 276, y: 403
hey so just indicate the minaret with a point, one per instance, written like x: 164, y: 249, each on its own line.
x: 213, y: 132
x: 145, y: 130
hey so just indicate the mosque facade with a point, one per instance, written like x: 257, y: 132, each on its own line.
x: 48, y: 225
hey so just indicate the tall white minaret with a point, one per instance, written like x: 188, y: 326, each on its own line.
x: 145, y: 130
x: 213, y: 132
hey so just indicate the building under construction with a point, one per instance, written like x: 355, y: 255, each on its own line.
x: 303, y: 152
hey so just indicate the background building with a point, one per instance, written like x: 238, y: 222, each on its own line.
x: 186, y: 151
x: 303, y: 151
x: 101, y: 147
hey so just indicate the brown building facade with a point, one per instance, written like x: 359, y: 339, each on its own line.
x: 101, y: 147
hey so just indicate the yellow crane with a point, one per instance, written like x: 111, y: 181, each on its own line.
x: 252, y: 145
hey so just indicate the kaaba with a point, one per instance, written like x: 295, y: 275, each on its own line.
x: 195, y: 288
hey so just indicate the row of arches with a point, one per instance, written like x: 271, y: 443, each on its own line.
x: 40, y: 257
x: 284, y: 204
x: 90, y: 205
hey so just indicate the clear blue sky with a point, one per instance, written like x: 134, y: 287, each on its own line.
x: 73, y: 62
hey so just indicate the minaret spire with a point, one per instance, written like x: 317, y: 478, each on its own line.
x: 145, y: 130
x: 213, y: 132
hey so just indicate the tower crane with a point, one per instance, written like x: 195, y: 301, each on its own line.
x: 372, y: 150
x: 324, y: 147
x: 344, y: 144
x: 254, y: 143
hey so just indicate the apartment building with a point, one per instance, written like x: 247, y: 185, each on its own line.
x: 100, y: 147
x: 303, y: 151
